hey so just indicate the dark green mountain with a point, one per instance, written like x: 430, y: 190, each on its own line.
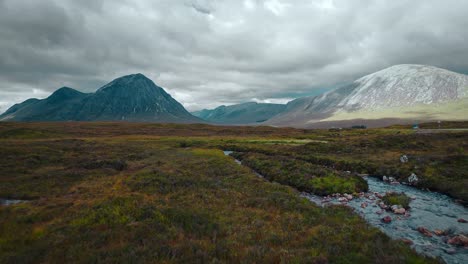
x: 130, y: 98
x: 246, y: 113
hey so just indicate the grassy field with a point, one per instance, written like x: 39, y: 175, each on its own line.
x: 126, y: 193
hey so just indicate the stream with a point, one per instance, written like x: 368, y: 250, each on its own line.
x: 9, y: 202
x: 430, y: 210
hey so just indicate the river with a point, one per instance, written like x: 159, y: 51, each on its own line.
x: 430, y: 210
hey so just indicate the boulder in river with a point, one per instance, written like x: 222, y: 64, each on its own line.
x: 459, y: 240
x: 385, y: 178
x: 424, y: 231
x: 387, y: 219
x: 342, y: 199
x: 439, y: 232
x: 349, y: 197
x: 461, y: 220
x: 363, y: 205
x: 401, y: 211
x: 383, y: 205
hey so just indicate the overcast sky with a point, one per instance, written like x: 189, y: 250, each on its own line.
x: 206, y: 53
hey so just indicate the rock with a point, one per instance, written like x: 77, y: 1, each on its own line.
x: 450, y: 251
x: 348, y: 196
x: 384, y: 178
x: 391, y: 179
x: 342, y: 199
x: 378, y: 195
x: 407, y: 241
x: 401, y: 211
x: 461, y: 220
x: 459, y: 240
x: 424, y: 231
x: 364, y: 205
x: 383, y: 206
x: 439, y: 232
x: 387, y: 219
x: 413, y: 179
x: 379, y: 212
x: 404, y: 159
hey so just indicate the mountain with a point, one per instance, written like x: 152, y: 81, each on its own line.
x: 60, y: 106
x: 131, y: 98
x: 402, y: 92
x: 246, y: 113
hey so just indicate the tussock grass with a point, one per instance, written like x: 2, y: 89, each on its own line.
x: 172, y: 202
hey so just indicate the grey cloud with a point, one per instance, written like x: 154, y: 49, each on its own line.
x: 207, y: 53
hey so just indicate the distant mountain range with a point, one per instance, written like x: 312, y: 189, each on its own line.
x: 130, y: 98
x: 246, y: 113
x: 399, y: 94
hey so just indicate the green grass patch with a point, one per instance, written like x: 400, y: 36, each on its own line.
x: 397, y: 199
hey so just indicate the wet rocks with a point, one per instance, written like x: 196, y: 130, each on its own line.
x: 387, y: 219
x: 383, y: 205
x: 450, y: 251
x: 398, y: 209
x: 439, y: 232
x: 401, y: 211
x: 349, y: 197
x: 461, y: 220
x: 364, y: 205
x: 407, y: 241
x: 342, y: 199
x: 459, y: 240
x: 424, y: 231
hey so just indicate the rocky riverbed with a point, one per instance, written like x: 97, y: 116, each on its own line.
x: 434, y: 224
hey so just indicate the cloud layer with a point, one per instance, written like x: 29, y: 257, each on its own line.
x: 206, y: 53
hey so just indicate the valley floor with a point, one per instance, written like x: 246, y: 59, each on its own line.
x: 127, y: 192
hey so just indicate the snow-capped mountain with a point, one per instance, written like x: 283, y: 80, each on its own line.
x: 406, y: 85
x: 384, y: 94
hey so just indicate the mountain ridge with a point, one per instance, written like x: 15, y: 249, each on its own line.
x: 132, y: 97
x: 244, y: 113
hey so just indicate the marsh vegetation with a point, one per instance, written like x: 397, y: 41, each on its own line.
x: 121, y: 192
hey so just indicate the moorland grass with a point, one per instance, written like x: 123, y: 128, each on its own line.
x: 169, y: 203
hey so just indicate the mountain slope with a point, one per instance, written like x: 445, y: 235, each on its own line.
x: 131, y: 98
x: 384, y: 94
x: 62, y: 105
x: 246, y: 113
